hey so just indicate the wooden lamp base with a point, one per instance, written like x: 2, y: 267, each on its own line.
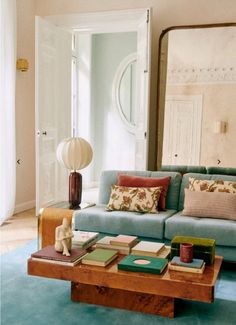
x: 75, y: 189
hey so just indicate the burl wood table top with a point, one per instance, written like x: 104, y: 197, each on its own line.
x: 170, y: 283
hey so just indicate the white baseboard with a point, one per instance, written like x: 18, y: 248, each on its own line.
x: 24, y: 206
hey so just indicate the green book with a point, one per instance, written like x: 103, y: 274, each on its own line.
x: 100, y: 257
x: 139, y: 263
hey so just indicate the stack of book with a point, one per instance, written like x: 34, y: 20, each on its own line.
x: 120, y: 243
x: 100, y: 257
x: 49, y: 255
x: 146, y: 264
x: 153, y: 249
x: 84, y: 239
x: 196, y: 266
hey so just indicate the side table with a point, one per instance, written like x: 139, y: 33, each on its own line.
x: 50, y: 217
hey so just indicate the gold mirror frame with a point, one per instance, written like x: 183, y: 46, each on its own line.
x: 162, y: 84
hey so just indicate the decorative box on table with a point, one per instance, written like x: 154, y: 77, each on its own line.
x: 203, y: 248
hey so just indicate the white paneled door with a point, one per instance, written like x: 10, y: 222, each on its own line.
x: 53, y: 109
x: 182, y: 130
x: 142, y: 96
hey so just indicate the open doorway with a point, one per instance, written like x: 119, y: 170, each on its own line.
x: 96, y: 84
x: 101, y: 61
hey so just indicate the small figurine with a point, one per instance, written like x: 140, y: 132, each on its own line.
x: 63, y: 238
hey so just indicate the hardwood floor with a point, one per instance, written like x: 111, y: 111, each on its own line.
x: 18, y: 230
x: 23, y: 226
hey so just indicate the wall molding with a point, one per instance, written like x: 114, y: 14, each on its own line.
x: 110, y: 21
x: 24, y: 206
x: 201, y: 75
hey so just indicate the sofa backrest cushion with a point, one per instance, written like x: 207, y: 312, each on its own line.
x: 109, y: 177
x: 185, y: 183
x: 184, y: 169
x: 172, y: 198
x: 221, y: 170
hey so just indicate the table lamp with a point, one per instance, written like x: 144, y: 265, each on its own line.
x: 74, y: 154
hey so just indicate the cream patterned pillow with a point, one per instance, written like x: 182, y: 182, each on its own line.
x: 139, y: 199
x: 216, y: 185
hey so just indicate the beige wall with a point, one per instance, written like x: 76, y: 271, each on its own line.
x: 25, y: 145
x: 219, y: 105
x: 165, y: 13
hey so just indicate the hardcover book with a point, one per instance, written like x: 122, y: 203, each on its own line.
x: 86, y: 245
x: 105, y: 243
x: 100, y: 257
x: 175, y: 267
x: 58, y: 262
x: 147, y: 264
x: 147, y: 248
x: 83, y: 238
x: 124, y: 240
x: 164, y: 252
x: 196, y: 263
x: 48, y: 254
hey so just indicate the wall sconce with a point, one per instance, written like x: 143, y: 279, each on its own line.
x: 22, y: 65
x: 220, y: 127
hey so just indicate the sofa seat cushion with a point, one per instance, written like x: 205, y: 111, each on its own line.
x: 223, y: 231
x: 121, y: 222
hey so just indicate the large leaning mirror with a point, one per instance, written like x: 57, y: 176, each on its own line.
x: 197, y: 96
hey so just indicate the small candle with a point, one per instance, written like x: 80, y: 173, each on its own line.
x: 186, y: 252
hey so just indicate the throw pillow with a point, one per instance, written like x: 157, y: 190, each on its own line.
x: 216, y: 185
x: 137, y: 199
x: 210, y: 204
x: 138, y: 181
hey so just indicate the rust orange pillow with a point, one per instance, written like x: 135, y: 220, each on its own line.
x: 139, y: 181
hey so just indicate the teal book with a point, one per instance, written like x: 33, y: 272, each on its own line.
x: 196, y: 263
x: 100, y: 257
x: 146, y: 264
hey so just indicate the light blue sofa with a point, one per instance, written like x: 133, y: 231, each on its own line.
x: 161, y: 227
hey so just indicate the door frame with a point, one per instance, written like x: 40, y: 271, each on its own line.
x: 101, y: 21
x: 116, y: 21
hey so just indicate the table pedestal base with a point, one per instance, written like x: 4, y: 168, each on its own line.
x: 110, y: 297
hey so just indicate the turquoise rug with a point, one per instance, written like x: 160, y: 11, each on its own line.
x: 27, y: 300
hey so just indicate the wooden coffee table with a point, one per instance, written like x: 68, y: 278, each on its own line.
x: 142, y: 292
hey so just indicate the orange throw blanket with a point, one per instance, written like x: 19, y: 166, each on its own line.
x: 48, y: 221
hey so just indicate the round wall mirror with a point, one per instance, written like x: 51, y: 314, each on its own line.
x: 124, y: 91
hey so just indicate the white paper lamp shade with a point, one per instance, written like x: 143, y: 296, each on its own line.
x: 74, y: 153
